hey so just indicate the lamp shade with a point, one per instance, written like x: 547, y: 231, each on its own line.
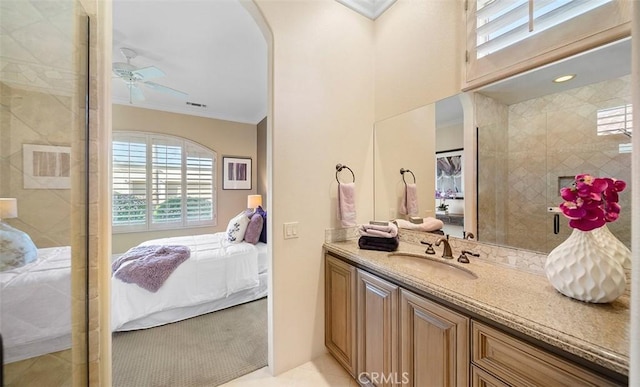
x: 254, y: 201
x: 8, y: 208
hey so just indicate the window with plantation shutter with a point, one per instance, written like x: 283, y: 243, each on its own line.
x: 615, y: 120
x: 161, y: 182
x: 505, y: 37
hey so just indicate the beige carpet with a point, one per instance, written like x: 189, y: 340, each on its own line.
x: 207, y: 350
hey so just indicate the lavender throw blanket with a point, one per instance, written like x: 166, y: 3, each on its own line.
x: 150, y: 266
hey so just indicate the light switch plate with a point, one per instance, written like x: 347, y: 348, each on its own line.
x: 290, y: 230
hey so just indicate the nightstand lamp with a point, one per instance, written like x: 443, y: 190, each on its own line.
x: 254, y: 201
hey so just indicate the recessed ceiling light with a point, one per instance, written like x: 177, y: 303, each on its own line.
x: 564, y: 78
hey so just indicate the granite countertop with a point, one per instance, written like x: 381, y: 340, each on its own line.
x: 522, y: 301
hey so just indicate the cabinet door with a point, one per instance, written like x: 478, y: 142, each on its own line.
x: 340, y: 312
x: 434, y: 343
x: 377, y: 331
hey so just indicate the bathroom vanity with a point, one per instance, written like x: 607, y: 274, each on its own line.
x: 405, y: 318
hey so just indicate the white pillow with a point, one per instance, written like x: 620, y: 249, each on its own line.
x: 237, y: 228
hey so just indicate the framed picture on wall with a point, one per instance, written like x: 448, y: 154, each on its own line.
x: 236, y: 173
x: 449, y: 174
x: 46, y: 166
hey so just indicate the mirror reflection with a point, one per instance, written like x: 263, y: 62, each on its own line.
x: 449, y: 173
x: 415, y: 140
x: 535, y: 135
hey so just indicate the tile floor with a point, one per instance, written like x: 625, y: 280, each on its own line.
x: 53, y: 369
x: 319, y: 372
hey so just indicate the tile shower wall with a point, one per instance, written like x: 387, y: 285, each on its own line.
x: 33, y: 117
x: 552, y: 137
x: 492, y: 119
x: 543, y: 140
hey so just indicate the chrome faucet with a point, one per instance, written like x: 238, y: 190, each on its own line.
x: 446, y: 251
x: 467, y: 235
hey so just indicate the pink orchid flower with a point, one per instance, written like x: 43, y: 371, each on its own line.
x: 591, y: 202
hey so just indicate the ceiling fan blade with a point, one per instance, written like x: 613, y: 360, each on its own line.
x: 165, y: 89
x: 148, y: 73
x: 136, y: 93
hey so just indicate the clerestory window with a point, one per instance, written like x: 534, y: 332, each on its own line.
x: 506, y: 37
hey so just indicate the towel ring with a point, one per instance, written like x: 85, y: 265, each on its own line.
x: 402, y: 172
x: 339, y: 168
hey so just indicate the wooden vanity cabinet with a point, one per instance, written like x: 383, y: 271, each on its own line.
x: 434, y: 343
x: 377, y: 331
x: 519, y: 363
x: 385, y: 335
x: 340, y: 312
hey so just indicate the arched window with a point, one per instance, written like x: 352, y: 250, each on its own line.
x: 161, y: 182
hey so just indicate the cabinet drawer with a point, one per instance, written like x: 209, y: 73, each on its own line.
x: 480, y: 378
x: 522, y: 364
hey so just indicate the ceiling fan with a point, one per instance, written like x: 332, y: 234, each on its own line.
x: 134, y: 76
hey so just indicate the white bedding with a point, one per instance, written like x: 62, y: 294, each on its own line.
x: 216, y: 270
x: 35, y: 301
x: 35, y: 305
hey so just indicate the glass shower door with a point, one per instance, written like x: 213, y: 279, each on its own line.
x: 44, y: 187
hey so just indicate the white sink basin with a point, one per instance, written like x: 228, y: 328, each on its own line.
x: 427, y: 265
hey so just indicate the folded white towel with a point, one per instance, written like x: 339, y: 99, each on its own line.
x: 347, y: 204
x: 409, y: 204
x: 375, y: 230
x: 428, y: 224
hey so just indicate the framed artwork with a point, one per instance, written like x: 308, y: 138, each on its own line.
x: 46, y: 166
x: 449, y: 173
x: 236, y: 173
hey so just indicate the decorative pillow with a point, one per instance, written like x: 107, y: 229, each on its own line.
x: 254, y: 229
x: 16, y: 248
x: 237, y: 228
x: 263, y: 234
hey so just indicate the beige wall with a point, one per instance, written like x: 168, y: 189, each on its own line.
x: 418, y: 54
x: 449, y: 137
x: 225, y: 137
x: 327, y: 62
x: 405, y: 141
x: 322, y: 115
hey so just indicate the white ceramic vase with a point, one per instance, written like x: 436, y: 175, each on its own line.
x: 585, y: 267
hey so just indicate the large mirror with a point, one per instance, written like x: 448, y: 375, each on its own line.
x: 427, y: 141
x: 533, y: 136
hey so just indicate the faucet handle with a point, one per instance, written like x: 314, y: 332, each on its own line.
x: 463, y: 256
x: 467, y: 235
x: 430, y: 249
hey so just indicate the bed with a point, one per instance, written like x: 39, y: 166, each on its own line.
x: 35, y: 299
x: 218, y: 274
x: 35, y: 305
